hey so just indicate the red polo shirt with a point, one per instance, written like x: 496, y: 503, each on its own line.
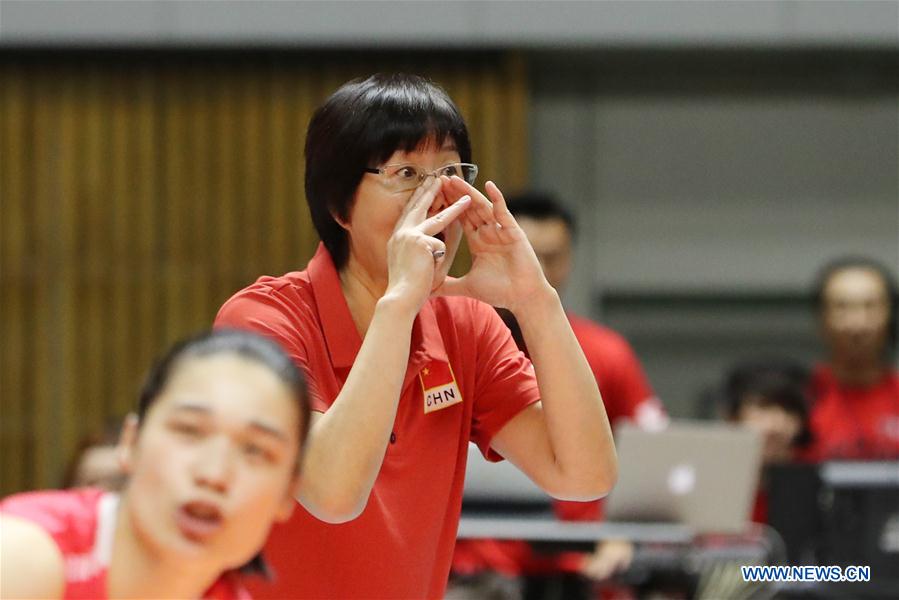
x: 860, y: 423
x: 402, y: 543
x: 627, y: 395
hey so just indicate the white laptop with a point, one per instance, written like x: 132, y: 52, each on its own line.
x: 703, y: 475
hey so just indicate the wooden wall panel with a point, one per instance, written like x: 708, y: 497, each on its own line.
x: 139, y: 191
x: 15, y: 446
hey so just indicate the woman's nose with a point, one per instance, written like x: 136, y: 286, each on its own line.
x: 213, y: 466
x: 440, y: 202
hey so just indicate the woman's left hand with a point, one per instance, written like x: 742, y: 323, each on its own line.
x: 504, y: 271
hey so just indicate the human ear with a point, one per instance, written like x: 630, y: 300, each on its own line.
x: 127, y: 442
x: 344, y: 223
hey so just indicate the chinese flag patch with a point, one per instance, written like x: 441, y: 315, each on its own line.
x: 438, y: 385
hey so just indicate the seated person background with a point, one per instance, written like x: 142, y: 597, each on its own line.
x: 96, y: 462
x: 855, y: 391
x: 766, y: 395
x: 479, y: 566
x: 770, y: 397
x: 213, y: 456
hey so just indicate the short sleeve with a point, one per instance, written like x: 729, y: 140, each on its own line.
x: 505, y: 381
x: 578, y: 511
x: 68, y: 516
x: 262, y: 311
x: 37, y: 508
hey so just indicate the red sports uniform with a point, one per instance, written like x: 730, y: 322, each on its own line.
x: 626, y: 394
x: 82, y: 523
x: 464, y: 381
x: 858, y: 423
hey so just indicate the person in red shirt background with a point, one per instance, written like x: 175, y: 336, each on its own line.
x: 213, y: 455
x: 626, y: 393
x: 855, y: 392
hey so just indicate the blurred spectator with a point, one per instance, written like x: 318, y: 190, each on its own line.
x: 96, y: 463
x: 769, y: 396
x: 855, y: 412
x: 492, y: 568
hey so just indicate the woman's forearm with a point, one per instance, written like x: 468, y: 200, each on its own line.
x: 576, y: 421
x: 346, y: 445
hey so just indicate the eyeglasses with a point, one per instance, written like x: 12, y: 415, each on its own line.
x: 402, y: 178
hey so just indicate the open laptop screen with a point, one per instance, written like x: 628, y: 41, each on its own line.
x: 701, y: 474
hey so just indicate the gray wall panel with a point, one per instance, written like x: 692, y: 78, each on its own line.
x: 699, y: 193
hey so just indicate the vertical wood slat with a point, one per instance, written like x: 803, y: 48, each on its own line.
x: 92, y: 251
x: 121, y: 224
x: 276, y: 170
x: 14, y: 439
x: 42, y: 221
x: 196, y: 200
x: 226, y: 222
x: 176, y: 186
x: 145, y: 211
x: 515, y: 127
x: 65, y: 274
x: 138, y: 193
x: 252, y: 183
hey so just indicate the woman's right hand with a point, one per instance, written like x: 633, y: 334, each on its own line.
x: 414, y: 255
x: 610, y: 558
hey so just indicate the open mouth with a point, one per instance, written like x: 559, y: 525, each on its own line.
x: 198, y: 521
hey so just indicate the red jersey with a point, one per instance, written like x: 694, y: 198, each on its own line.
x: 855, y: 423
x: 627, y: 395
x: 626, y: 392
x: 82, y: 524
x: 465, y: 379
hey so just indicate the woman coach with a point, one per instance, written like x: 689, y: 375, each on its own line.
x: 407, y: 365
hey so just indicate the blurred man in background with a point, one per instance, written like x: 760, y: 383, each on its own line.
x: 551, y: 230
x: 855, y: 412
x: 479, y: 566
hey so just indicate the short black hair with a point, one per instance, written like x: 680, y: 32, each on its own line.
x: 360, y: 126
x: 540, y: 206
x: 244, y: 344
x: 780, y: 382
x: 844, y: 263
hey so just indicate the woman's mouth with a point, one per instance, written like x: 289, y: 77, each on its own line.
x: 198, y: 521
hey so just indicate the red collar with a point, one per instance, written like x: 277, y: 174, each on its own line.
x: 340, y: 332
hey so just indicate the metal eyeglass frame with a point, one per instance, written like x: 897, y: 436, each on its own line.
x: 422, y: 174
